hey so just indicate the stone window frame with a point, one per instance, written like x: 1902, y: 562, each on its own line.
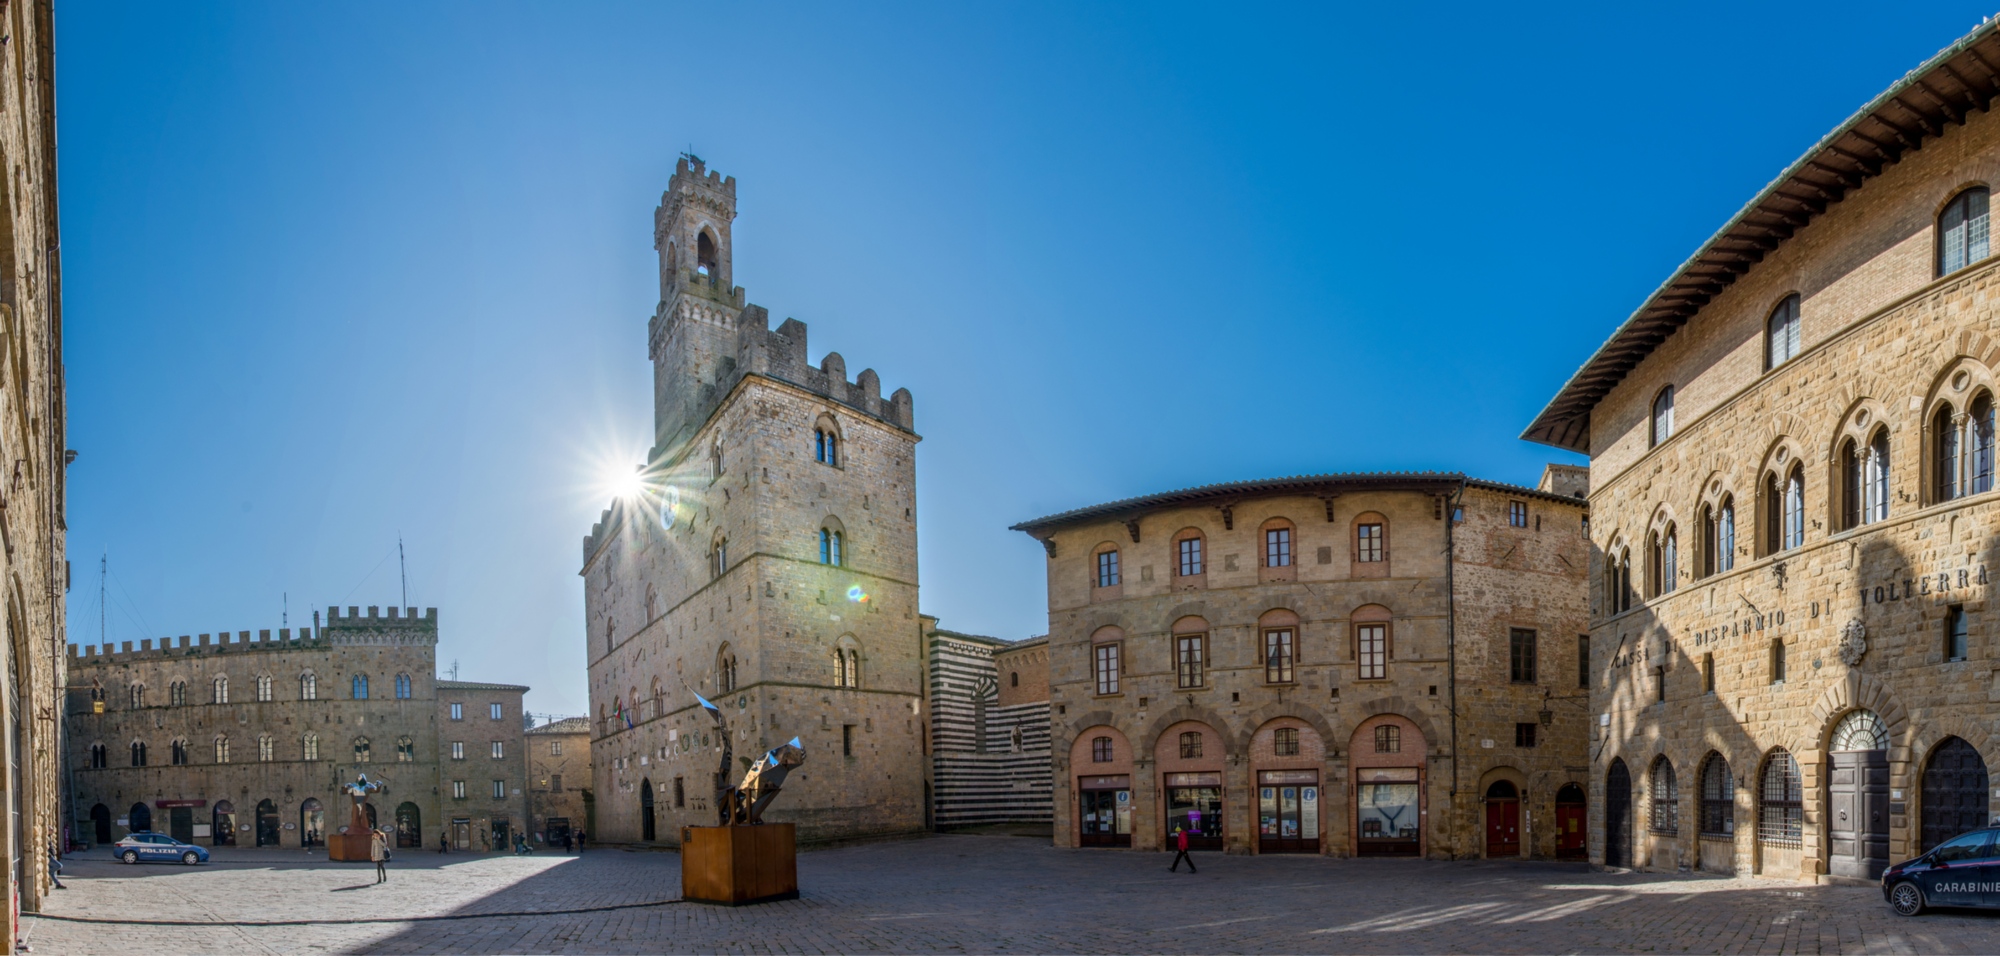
x: 1941, y: 264
x: 1617, y: 582
x: 1100, y: 570
x: 1717, y: 795
x: 177, y: 694
x: 364, y: 750
x: 1271, y: 624
x: 177, y: 752
x: 308, y: 685
x: 221, y: 747
x: 828, y: 442
x: 1957, y: 633
x: 1663, y: 563
x: 1660, y: 417
x: 834, y: 547
x: 219, y: 689
x: 847, y: 662
x: 1189, y: 637
x: 1718, y: 501
x: 264, y: 688
x: 1949, y: 433
x: 267, y: 748
x: 1788, y: 310
x: 1107, y: 646
x: 1663, y: 798
x: 1369, y: 558
x: 1782, y: 464
x: 1522, y: 655
x: 1780, y: 800
x: 1365, y: 617
x: 1776, y: 662
x: 406, y: 749
x: 1180, y: 559
x: 138, y: 749
x: 1858, y: 494
x: 309, y: 747
x: 1288, y: 530
x: 1708, y: 673
x: 100, y: 756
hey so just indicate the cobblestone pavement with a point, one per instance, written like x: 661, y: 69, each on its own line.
x: 975, y: 894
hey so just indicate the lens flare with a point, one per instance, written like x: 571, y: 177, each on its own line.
x: 857, y: 595
x: 670, y: 506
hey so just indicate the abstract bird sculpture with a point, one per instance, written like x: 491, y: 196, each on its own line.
x: 744, y: 803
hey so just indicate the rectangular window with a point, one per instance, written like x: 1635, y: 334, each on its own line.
x: 555, y: 748
x: 1517, y: 513
x: 499, y: 750
x: 458, y: 789
x: 499, y: 789
x: 555, y: 783
x: 458, y: 750
x: 1278, y: 548
x: 1388, y: 739
x: 1278, y: 656
x: 1524, y: 735
x: 1708, y: 673
x: 1372, y: 651
x: 1368, y: 542
x: 494, y: 711
x: 1521, y: 655
x: 1190, y: 557
x: 847, y: 740
x: 1956, y: 634
x: 1107, y: 569
x: 1778, y: 661
x: 458, y: 711
x: 1107, y: 668
x: 1188, y: 654
x: 1285, y: 742
x: 680, y: 793
x: 1660, y: 684
x: 1583, y: 661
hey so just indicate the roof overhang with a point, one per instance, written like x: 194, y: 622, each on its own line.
x: 1948, y: 88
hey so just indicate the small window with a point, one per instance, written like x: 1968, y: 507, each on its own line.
x: 1517, y: 513
x: 831, y: 547
x: 308, y: 687
x: 266, y: 748
x: 1189, y: 553
x: 499, y: 789
x: 360, y: 688
x: 499, y: 750
x: 1660, y: 684
x: 1372, y: 651
x: 457, y: 711
x: 1190, y: 745
x: 138, y: 753
x: 847, y: 740
x: 1107, y: 569
x: 704, y: 253
x: 1521, y: 655
x: 555, y: 748
x: 1956, y: 641
x: 826, y: 447
x: 458, y: 750
x: 362, y: 751
x: 1388, y: 739
x: 1963, y: 231
x: 1015, y: 678
x: 493, y: 711
x: 177, y: 694
x: 309, y: 746
x: 1278, y: 548
x: 402, y: 687
x: 1666, y: 793
x: 1524, y: 735
x: 406, y: 750
x: 1708, y: 673
x: 1100, y: 750
x: 1777, y: 660
x: 1781, y: 339
x: 1285, y: 742
x: 1583, y: 661
x: 264, y: 687
x: 680, y: 793
x: 1663, y: 415
x: 718, y: 565
x: 1188, y: 656
x: 1368, y: 542
x: 458, y: 789
x: 221, y: 693
x: 99, y: 757
x: 1107, y: 668
x: 221, y: 749
x: 1278, y: 656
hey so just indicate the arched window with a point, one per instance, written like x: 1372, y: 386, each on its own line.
x: 1944, y: 441
x: 1663, y: 415
x: 308, y: 686
x: 718, y: 555
x: 402, y: 687
x: 406, y: 750
x: 309, y: 746
x: 1190, y: 635
x: 1100, y: 750
x: 1963, y: 236
x: 1280, y: 630
x: 725, y: 669
x: 1725, y: 536
x: 832, y: 547
x: 1787, y: 499
x: 847, y: 662
x: 1781, y: 811
x: 826, y: 444
x: 1108, y: 572
x: 177, y: 752
x: 98, y: 758
x: 704, y: 253
x: 221, y: 692
x: 715, y: 459
x: 360, y: 689
x: 1623, y: 579
x: 362, y: 752
x: 1875, y: 479
x: 1781, y: 333
x: 221, y: 749
x: 267, y: 748
x: 1666, y: 560
x: 137, y: 693
x: 138, y: 753
x: 177, y: 693
x: 1982, y: 444
x: 1666, y: 798
x: 1190, y: 745
x: 263, y: 687
x: 1014, y: 678
x: 1718, y: 798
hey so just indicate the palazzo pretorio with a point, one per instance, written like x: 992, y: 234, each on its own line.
x: 1793, y: 528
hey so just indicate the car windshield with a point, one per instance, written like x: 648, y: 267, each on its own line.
x: 1966, y: 847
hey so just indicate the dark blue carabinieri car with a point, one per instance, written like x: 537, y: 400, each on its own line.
x: 1961, y: 871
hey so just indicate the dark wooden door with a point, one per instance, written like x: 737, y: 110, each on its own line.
x: 180, y: 824
x: 1503, y: 828
x: 1954, y: 792
x: 1618, y: 815
x: 1858, y: 813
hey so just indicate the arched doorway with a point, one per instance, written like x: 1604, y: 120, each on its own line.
x: 267, y: 823
x: 1503, y: 820
x: 1288, y: 753
x: 140, y: 817
x: 1618, y: 815
x: 1570, y: 815
x: 1190, y: 757
x: 1858, y: 797
x: 100, y: 822
x: 646, y: 810
x: 409, y: 825
x: 1954, y: 792
x: 1387, y: 753
x: 312, y: 823
x: 1102, y: 759
x: 222, y: 824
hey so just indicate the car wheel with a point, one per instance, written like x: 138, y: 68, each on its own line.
x: 190, y: 858
x: 130, y: 856
x: 1906, y: 899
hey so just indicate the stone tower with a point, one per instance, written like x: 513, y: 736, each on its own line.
x: 770, y: 563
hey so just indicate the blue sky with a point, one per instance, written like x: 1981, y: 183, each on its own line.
x: 339, y: 273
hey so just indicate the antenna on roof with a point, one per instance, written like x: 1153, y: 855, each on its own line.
x: 692, y: 159
x: 403, y: 569
x: 285, y: 616
x: 454, y: 668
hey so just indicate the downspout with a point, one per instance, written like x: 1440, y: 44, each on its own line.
x: 1451, y: 626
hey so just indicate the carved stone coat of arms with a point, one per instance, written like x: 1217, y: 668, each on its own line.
x: 1853, y: 642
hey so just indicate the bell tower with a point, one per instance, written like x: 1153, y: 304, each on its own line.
x: 693, y: 333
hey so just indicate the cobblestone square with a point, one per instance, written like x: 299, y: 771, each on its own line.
x: 974, y: 894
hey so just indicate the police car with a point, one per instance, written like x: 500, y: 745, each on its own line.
x: 1961, y: 871
x: 148, y: 847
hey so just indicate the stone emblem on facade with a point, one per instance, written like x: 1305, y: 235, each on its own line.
x: 1853, y: 642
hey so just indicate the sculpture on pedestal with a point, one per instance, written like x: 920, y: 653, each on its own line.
x: 744, y: 803
x: 743, y: 859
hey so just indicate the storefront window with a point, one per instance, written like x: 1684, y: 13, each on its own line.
x: 1194, y: 805
x: 1104, y: 810
x: 1288, y: 811
x: 1386, y: 805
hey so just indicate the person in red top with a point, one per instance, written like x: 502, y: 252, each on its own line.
x: 1180, y: 843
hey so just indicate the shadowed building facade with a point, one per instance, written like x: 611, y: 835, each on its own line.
x: 1791, y: 482
x: 1328, y: 664
x: 559, y: 796
x: 769, y: 562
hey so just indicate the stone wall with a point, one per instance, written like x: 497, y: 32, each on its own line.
x: 559, y: 776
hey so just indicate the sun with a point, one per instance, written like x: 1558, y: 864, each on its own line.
x: 624, y: 484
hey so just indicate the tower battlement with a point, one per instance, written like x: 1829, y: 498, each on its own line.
x: 398, y: 626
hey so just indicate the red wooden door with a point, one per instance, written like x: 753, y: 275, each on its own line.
x: 1503, y: 828
x: 1569, y: 831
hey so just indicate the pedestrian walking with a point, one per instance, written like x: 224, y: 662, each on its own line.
x: 444, y: 841
x: 56, y: 866
x: 568, y: 843
x: 580, y: 837
x: 378, y: 850
x: 1181, y: 843
x: 485, y: 842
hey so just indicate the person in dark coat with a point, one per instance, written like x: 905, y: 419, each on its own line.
x: 1181, y: 843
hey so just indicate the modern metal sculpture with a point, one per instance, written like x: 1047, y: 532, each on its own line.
x: 352, y: 842
x: 743, y: 859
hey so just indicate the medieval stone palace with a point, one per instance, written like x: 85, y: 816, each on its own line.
x: 769, y: 563
x: 1794, y: 517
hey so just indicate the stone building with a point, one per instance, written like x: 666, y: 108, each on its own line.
x: 242, y: 740
x: 560, y: 800
x: 32, y: 393
x: 769, y: 562
x: 1791, y: 484
x: 989, y: 746
x: 1290, y: 685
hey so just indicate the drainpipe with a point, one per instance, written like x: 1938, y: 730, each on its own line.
x: 1451, y: 628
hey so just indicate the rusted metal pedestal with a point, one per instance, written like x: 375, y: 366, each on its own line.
x: 354, y: 846
x: 738, y: 865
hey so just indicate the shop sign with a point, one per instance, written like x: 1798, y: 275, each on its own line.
x: 1386, y: 775
x: 1106, y: 782
x: 1309, y: 816
x: 170, y: 804
x: 1287, y: 776
x: 1194, y: 780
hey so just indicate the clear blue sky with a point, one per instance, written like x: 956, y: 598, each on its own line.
x: 340, y: 272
